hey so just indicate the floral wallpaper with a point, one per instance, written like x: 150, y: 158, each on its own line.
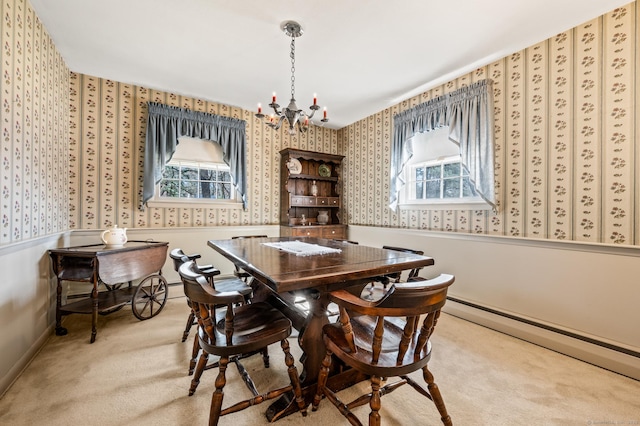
x: 107, y: 146
x: 567, y: 157
x: 35, y: 128
x: 566, y: 141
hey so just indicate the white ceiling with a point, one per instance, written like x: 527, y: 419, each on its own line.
x: 359, y: 56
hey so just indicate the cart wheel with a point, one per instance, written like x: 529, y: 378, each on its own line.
x: 150, y: 297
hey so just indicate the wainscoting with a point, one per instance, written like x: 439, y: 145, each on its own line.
x: 579, y: 299
x: 27, y: 302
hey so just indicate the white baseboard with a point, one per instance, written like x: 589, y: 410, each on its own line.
x: 618, y: 360
x: 16, y: 369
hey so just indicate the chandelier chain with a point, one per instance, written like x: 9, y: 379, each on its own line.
x: 293, y: 67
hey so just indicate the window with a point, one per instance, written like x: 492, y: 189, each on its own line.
x: 196, y: 175
x: 439, y: 180
x: 196, y: 180
x: 435, y: 178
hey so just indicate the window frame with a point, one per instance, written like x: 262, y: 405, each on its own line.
x: 462, y: 203
x: 173, y: 202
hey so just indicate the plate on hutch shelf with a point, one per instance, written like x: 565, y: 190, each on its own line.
x: 294, y: 166
x: 324, y: 170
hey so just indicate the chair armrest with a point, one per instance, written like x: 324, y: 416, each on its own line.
x: 208, y: 270
x: 349, y: 300
x: 224, y: 298
x: 441, y: 281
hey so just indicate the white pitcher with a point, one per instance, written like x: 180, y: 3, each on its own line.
x: 115, y: 236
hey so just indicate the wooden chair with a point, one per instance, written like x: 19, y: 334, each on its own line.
x: 378, y: 343
x: 179, y: 257
x: 241, y: 329
x: 243, y: 275
x: 208, y: 271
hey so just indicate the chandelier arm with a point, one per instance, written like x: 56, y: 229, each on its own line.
x: 275, y: 108
x: 279, y: 123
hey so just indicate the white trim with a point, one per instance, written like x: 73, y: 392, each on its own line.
x: 471, y: 203
x: 184, y: 203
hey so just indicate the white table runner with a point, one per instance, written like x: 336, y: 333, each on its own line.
x: 302, y: 249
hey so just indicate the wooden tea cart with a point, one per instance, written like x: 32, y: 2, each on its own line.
x: 116, y: 268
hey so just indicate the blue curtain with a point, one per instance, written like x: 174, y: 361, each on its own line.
x: 165, y: 124
x: 468, y: 112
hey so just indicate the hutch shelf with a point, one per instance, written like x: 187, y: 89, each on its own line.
x: 310, y: 197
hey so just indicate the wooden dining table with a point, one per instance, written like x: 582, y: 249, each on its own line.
x: 279, y: 276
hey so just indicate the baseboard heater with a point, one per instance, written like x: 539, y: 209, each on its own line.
x: 589, y: 340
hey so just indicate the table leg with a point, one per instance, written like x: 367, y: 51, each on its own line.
x: 60, y: 330
x: 312, y: 345
x: 313, y: 350
x: 94, y: 300
x: 310, y: 337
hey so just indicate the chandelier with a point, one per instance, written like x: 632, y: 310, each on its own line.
x: 294, y: 116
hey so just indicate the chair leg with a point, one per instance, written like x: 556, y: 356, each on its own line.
x: 374, y: 402
x: 202, y: 363
x: 436, y: 396
x: 293, y: 377
x: 194, y: 354
x: 190, y: 321
x: 218, y: 394
x: 322, y: 380
x: 265, y: 356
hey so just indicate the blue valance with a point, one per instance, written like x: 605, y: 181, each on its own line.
x: 468, y: 112
x: 165, y: 124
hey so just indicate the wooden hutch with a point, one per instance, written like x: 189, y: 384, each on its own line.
x: 301, y: 202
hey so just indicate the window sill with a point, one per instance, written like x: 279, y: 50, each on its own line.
x: 193, y: 203
x: 445, y: 205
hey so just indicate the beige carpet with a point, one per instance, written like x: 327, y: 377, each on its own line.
x: 135, y: 374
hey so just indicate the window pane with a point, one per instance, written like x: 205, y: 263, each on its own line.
x: 224, y: 176
x: 451, y: 188
x: 170, y: 172
x: 467, y: 189
x: 419, y: 190
x: 419, y: 174
x: 207, y: 174
x: 189, y: 173
x: 188, y: 189
x: 451, y: 170
x: 433, y: 189
x: 224, y: 191
x: 433, y: 172
x: 169, y: 188
x: 207, y: 189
